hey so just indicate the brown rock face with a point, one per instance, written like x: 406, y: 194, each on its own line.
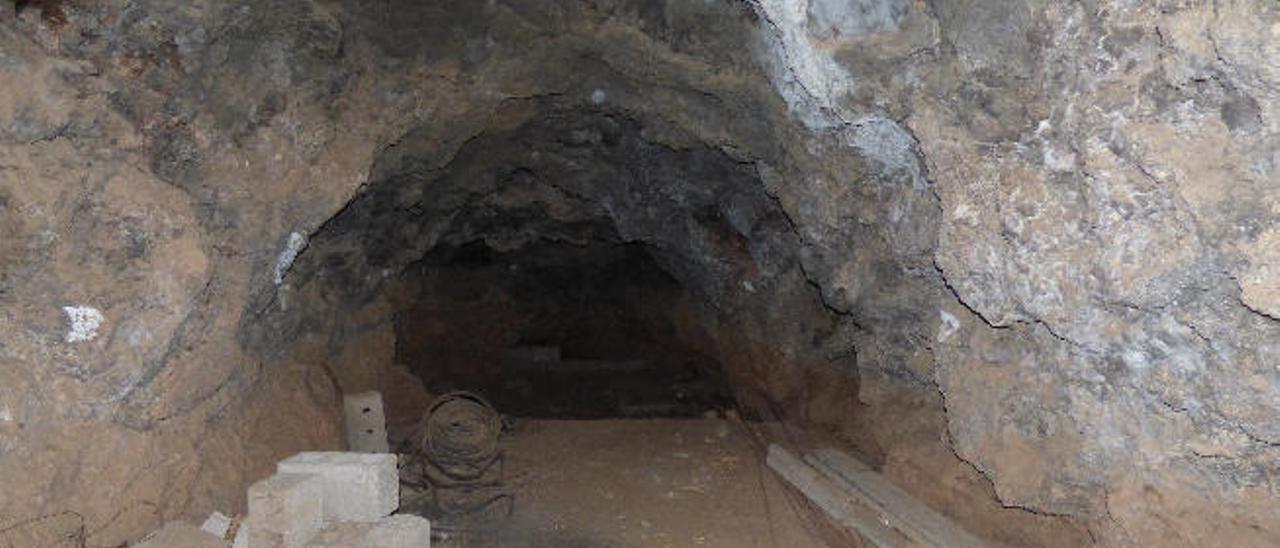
x: 1026, y: 248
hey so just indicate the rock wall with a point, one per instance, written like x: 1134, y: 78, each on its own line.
x: 1049, y: 224
x: 1103, y: 172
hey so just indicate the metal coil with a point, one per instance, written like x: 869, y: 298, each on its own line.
x: 460, y: 435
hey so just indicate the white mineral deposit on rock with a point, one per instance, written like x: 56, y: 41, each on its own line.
x: 296, y: 243
x: 83, y: 322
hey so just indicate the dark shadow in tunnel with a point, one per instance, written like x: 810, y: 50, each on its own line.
x: 566, y: 231
x: 556, y: 330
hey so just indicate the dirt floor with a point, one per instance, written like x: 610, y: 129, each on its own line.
x: 640, y: 483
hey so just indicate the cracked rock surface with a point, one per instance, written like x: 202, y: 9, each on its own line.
x: 1027, y: 248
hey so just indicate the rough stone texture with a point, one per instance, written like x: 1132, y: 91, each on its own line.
x: 367, y: 362
x: 1102, y: 173
x: 285, y: 510
x: 359, y: 487
x: 1056, y: 219
x: 1097, y: 250
x: 180, y: 534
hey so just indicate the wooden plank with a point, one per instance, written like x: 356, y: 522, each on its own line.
x: 906, y: 514
x: 888, y: 517
x: 835, y: 500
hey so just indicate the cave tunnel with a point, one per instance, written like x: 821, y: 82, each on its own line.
x: 565, y: 265
x: 511, y: 275
x: 557, y: 331
x: 634, y: 273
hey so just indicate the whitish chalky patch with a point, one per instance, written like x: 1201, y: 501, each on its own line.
x: 884, y: 141
x: 85, y: 321
x: 836, y: 18
x: 808, y: 77
x: 297, y: 242
x: 950, y: 324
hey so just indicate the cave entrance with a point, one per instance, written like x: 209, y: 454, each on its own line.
x: 614, y: 425
x: 563, y: 261
x: 556, y: 330
x: 598, y: 279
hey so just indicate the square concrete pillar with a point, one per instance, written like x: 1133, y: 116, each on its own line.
x: 363, y: 487
x: 285, y: 510
x: 366, y: 423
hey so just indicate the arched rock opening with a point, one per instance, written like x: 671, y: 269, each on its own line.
x: 1018, y: 255
x: 583, y: 210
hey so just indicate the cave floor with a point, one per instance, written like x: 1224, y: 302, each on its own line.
x: 641, y: 483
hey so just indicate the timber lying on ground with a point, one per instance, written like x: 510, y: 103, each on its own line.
x: 860, y: 499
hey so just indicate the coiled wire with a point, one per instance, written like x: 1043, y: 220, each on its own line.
x: 460, y: 435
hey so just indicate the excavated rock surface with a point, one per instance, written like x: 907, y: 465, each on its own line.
x: 1051, y: 224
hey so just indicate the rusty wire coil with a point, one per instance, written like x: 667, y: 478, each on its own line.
x: 460, y: 435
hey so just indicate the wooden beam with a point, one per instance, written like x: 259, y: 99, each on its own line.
x: 835, y: 500
x: 904, y: 513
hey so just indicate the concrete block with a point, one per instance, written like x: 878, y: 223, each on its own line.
x: 399, y: 531
x: 366, y: 423
x: 341, y: 535
x: 363, y: 487
x: 180, y: 534
x: 285, y: 510
x: 217, y: 524
x: 257, y: 537
x: 242, y: 536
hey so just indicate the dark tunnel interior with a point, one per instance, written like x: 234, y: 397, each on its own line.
x: 556, y: 262
x: 555, y: 330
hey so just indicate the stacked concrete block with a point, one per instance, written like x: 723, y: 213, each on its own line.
x: 331, y: 500
x: 180, y: 534
x: 401, y: 531
x: 360, y: 487
x: 345, y: 535
x: 366, y: 423
x: 285, y: 510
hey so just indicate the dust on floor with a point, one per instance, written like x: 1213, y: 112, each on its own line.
x: 641, y: 484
